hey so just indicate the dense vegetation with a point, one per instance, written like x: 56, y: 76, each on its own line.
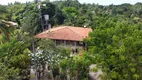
x: 115, y: 44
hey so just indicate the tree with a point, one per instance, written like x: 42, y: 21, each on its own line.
x: 71, y: 14
x: 16, y: 11
x: 4, y: 30
x: 14, y: 54
x: 30, y: 22
x: 117, y: 49
x: 8, y: 73
x: 4, y: 12
x: 76, y: 67
x: 47, y: 54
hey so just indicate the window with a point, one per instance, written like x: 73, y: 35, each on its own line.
x: 59, y: 42
x: 72, y: 43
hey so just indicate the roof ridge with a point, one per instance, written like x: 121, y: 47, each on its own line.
x: 60, y: 28
x: 74, y: 32
x: 52, y: 29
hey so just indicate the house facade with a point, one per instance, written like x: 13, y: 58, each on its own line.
x: 67, y: 36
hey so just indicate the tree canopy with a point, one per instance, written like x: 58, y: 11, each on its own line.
x: 115, y: 45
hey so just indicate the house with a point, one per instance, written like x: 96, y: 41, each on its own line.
x: 66, y: 35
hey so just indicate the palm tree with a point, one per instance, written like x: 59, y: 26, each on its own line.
x: 5, y: 30
x: 6, y: 27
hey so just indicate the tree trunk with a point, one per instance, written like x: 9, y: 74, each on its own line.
x: 52, y: 74
x: 68, y: 75
x: 43, y: 71
x: 36, y: 75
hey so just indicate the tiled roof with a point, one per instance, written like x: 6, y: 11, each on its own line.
x: 65, y: 33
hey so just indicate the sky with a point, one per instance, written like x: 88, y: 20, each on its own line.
x: 101, y: 2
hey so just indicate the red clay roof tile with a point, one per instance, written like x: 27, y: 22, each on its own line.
x: 65, y: 33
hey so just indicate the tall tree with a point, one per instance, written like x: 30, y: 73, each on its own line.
x: 117, y: 49
x: 14, y: 55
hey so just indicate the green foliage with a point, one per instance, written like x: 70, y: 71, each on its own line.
x: 3, y: 12
x: 15, y: 57
x: 47, y: 52
x: 77, y: 66
x: 69, y: 12
x: 6, y: 30
x: 5, y: 27
x: 30, y: 20
x: 117, y: 47
x: 16, y: 11
x: 8, y: 73
x: 115, y: 41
